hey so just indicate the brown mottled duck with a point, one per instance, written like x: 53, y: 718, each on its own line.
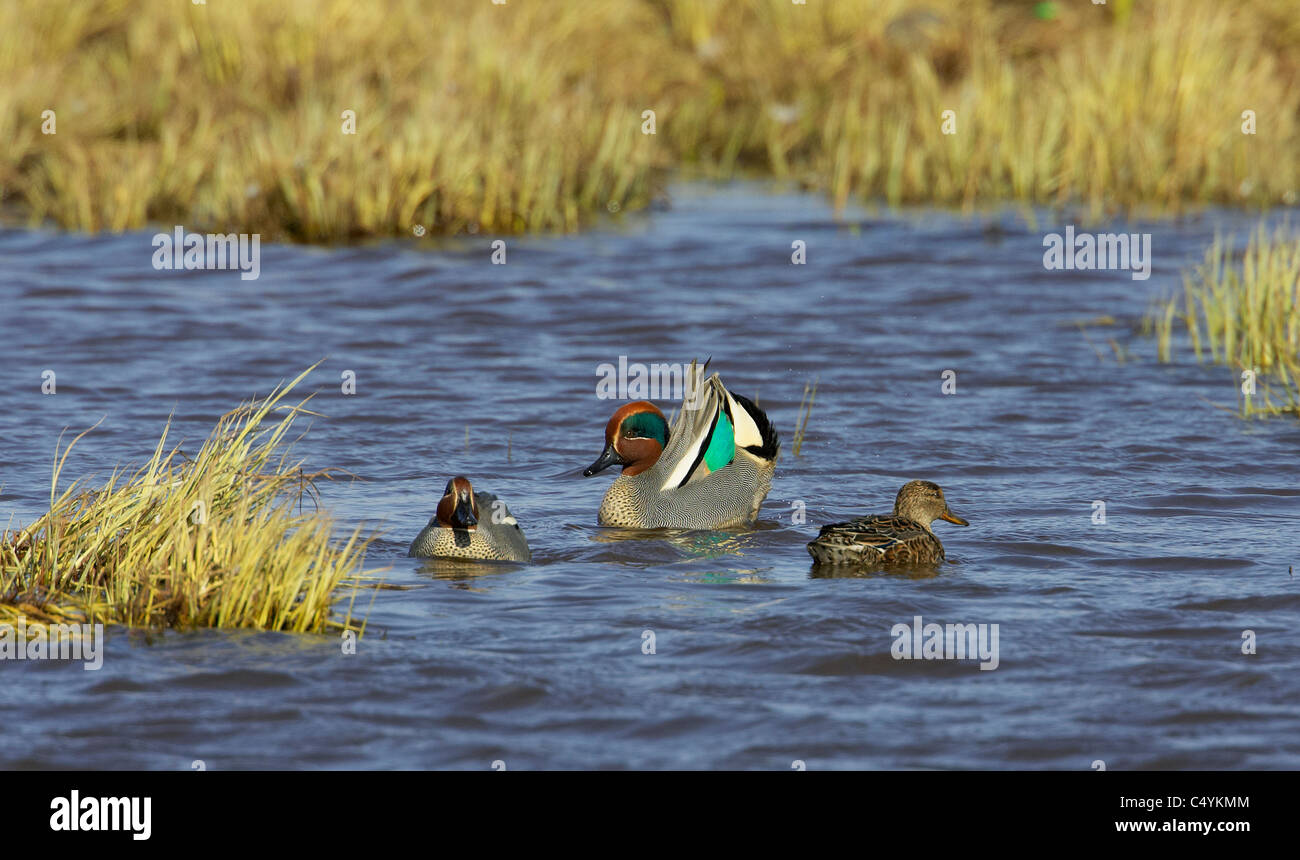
x: 903, y: 537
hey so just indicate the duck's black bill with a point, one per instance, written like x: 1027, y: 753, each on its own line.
x: 953, y: 518
x: 463, y: 516
x: 608, y: 457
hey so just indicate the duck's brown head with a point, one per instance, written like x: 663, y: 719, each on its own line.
x: 457, y: 509
x: 923, y: 503
x: 635, y: 437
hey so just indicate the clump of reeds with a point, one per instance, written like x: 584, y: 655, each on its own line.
x: 805, y: 413
x: 1245, y: 313
x: 531, y: 116
x: 220, y: 540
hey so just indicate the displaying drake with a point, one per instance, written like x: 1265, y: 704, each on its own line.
x: 470, y: 525
x: 904, y: 537
x: 711, y: 470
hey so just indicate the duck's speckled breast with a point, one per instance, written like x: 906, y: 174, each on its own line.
x: 489, y: 541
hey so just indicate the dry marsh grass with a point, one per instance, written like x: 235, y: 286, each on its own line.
x: 1244, y: 312
x: 528, y: 116
x: 220, y: 540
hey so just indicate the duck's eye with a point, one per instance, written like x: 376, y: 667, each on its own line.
x: 447, y: 492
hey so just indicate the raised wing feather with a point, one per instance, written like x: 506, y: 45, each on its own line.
x: 703, y: 438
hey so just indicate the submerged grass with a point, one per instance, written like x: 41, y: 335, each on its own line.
x: 1244, y: 312
x: 220, y: 540
x: 529, y: 116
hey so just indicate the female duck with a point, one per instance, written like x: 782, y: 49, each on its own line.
x: 712, y: 470
x: 903, y: 538
x: 460, y: 530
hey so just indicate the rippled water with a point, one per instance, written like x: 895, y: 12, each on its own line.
x: 1119, y: 642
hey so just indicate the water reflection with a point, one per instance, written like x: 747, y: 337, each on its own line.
x: 694, y: 544
x: 464, y: 573
x: 735, y: 576
x: 847, y: 571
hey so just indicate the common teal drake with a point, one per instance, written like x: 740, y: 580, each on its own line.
x: 903, y: 537
x: 712, y: 470
x: 471, y: 525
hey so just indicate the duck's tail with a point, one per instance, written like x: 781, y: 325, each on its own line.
x: 754, y: 432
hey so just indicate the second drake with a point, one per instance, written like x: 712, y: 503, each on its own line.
x: 710, y: 470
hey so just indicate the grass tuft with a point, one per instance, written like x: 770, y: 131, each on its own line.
x: 1243, y: 312
x: 220, y: 540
